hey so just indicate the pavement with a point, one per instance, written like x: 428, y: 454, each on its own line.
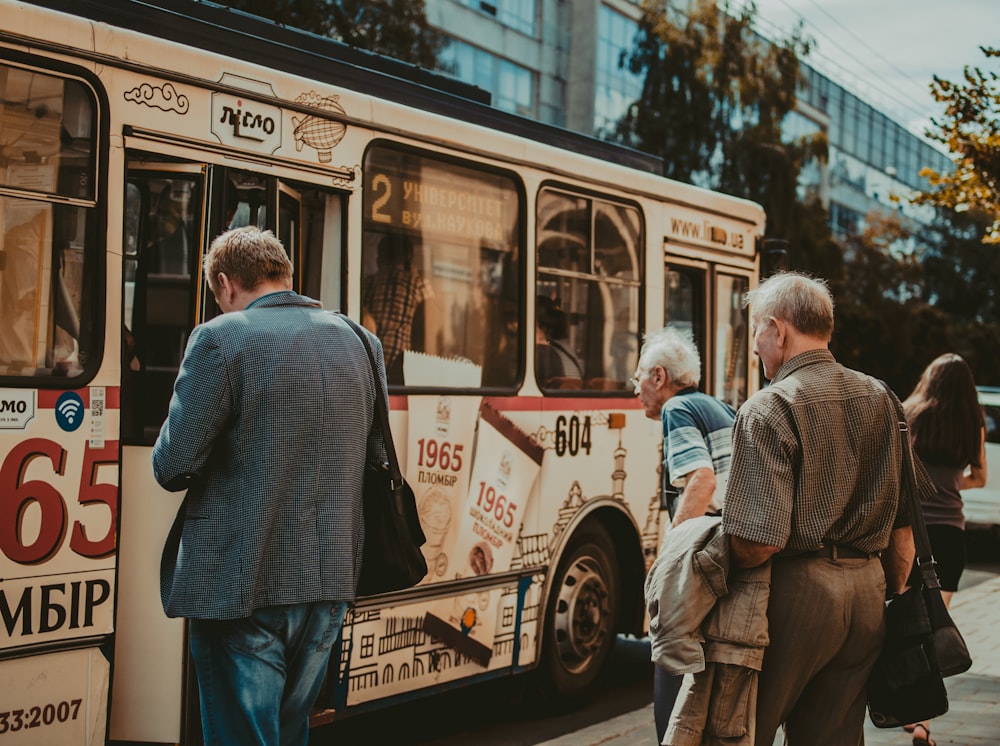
x: 973, y: 718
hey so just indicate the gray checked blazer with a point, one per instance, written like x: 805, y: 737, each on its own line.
x: 268, y: 430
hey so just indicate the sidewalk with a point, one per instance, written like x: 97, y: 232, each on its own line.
x: 974, y: 697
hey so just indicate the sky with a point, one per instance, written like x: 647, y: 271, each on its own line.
x: 887, y: 51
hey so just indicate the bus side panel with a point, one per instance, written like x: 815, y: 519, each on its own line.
x: 147, y: 694
x: 59, y: 481
x: 66, y: 703
x: 387, y: 651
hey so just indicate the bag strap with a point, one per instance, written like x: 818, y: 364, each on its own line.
x: 381, y: 408
x: 925, y: 558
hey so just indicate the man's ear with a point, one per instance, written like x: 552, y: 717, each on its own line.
x: 780, y: 330
x: 223, y: 282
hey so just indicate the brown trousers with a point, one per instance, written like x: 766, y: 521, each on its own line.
x: 826, y: 623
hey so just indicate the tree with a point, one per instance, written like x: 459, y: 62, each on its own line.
x: 396, y: 28
x: 884, y: 324
x: 904, y: 298
x: 962, y: 279
x: 970, y: 129
x: 715, y: 96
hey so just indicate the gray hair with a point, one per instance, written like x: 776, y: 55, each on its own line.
x: 674, y: 351
x: 797, y: 299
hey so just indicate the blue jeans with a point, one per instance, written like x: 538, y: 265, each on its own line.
x: 666, y: 687
x: 258, y: 677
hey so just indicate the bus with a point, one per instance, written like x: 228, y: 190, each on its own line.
x: 131, y: 134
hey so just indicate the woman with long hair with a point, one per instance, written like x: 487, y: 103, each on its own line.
x: 948, y: 432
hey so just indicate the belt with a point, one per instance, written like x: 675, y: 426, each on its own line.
x: 839, y: 551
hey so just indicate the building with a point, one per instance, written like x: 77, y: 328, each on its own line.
x: 558, y: 61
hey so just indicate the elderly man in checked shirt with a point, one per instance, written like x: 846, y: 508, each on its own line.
x: 814, y: 483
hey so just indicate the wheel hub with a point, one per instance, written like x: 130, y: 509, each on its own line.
x: 582, y: 614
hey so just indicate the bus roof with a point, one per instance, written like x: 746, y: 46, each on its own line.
x: 239, y: 35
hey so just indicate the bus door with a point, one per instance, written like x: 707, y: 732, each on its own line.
x: 172, y: 213
x: 706, y: 300
x: 164, y: 216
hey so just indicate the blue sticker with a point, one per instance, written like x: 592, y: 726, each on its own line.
x: 69, y: 411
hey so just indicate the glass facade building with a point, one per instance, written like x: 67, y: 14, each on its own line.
x: 564, y: 62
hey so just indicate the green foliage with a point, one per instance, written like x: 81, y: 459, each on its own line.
x: 970, y: 129
x: 396, y: 28
x: 904, y: 299
x: 714, y: 99
x: 879, y: 304
x: 962, y: 280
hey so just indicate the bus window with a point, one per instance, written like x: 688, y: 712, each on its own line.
x: 48, y: 129
x: 48, y: 249
x: 685, y: 303
x: 732, y: 339
x: 245, y: 199
x: 587, y: 304
x: 309, y: 227
x: 162, y: 248
x: 440, y: 255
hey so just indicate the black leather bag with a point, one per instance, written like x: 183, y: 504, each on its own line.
x: 391, y: 559
x: 922, y: 644
x: 906, y: 685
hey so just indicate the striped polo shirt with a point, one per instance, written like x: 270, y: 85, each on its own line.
x: 697, y: 432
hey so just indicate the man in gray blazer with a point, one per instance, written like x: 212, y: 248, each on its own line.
x: 269, y: 430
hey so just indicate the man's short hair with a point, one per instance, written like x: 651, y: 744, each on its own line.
x: 249, y: 256
x: 797, y: 299
x: 675, y: 352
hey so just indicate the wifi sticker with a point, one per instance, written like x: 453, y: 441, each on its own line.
x: 69, y: 411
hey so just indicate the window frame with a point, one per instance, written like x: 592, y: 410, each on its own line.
x: 640, y: 282
x: 95, y: 260
x: 356, y: 285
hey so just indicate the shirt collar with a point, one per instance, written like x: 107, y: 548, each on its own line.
x: 812, y: 357
x: 283, y: 298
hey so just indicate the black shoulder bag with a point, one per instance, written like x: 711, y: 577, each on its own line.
x: 391, y: 559
x: 922, y: 644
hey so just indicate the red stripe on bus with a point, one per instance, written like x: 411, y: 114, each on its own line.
x: 561, y: 403
x: 400, y: 403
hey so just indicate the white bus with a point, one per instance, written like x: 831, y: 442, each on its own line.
x: 130, y: 136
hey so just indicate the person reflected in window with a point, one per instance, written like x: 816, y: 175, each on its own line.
x: 390, y: 299
x: 22, y: 248
x: 555, y: 362
x: 169, y: 252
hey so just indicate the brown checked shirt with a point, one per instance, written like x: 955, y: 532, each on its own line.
x: 817, y: 458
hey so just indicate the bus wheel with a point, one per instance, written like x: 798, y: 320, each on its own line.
x: 582, y: 615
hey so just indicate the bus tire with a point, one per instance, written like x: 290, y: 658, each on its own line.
x: 581, y: 616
